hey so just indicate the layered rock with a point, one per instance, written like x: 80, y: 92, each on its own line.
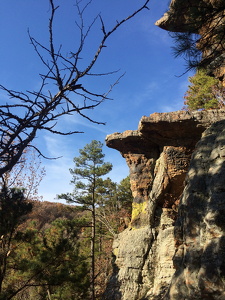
x: 203, y: 17
x: 158, y: 155
x: 200, y: 229
x: 179, y: 17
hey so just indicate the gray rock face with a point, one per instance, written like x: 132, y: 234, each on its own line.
x: 174, y: 246
x: 200, y: 227
x: 130, y: 264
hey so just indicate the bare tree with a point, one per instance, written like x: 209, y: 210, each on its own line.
x: 27, y: 175
x: 31, y: 111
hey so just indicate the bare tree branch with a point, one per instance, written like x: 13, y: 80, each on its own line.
x: 41, y: 109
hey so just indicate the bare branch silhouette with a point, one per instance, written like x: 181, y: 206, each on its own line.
x: 41, y: 109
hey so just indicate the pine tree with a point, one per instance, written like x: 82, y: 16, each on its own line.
x: 124, y: 194
x: 201, y: 40
x: 49, y: 263
x: 89, y: 169
x: 205, y: 92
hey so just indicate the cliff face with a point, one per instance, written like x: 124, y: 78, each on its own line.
x: 200, y: 227
x: 203, y: 17
x: 179, y: 17
x: 174, y: 236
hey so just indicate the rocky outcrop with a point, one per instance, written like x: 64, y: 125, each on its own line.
x: 164, y: 223
x: 203, y: 17
x: 200, y: 229
x: 181, y: 14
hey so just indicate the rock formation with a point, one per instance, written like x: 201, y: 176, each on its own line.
x: 200, y: 228
x: 174, y: 237
x: 203, y: 17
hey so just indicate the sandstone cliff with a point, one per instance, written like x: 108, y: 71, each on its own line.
x: 203, y: 17
x: 174, y: 247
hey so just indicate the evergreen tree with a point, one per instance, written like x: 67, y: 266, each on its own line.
x: 205, y: 92
x: 13, y: 207
x: 114, y: 199
x: 37, y: 264
x: 201, y: 39
x: 89, y: 169
x: 124, y: 194
x: 46, y: 264
x: 49, y: 263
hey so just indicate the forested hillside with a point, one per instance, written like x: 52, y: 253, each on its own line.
x: 47, y: 247
x: 156, y: 234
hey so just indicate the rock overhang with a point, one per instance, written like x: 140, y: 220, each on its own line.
x: 184, y: 16
x: 180, y: 128
x: 205, y: 18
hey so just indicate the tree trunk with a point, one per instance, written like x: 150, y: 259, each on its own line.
x: 93, y: 253
x: 49, y: 294
x: 100, y: 239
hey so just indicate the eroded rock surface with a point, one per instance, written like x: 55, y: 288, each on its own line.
x: 200, y: 227
x: 203, y: 17
x: 179, y: 17
x: 158, y: 155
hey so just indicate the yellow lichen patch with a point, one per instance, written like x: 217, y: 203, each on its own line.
x: 116, y: 251
x: 138, y: 209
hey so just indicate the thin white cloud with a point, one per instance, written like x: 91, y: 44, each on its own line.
x: 82, y: 122
x: 147, y: 93
x: 156, y: 36
x: 58, y: 177
x: 54, y: 145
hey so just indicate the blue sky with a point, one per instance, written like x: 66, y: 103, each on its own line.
x: 152, y: 81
